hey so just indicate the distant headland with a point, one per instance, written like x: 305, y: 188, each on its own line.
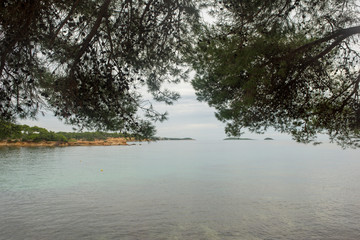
x: 238, y: 138
x: 246, y: 139
x: 170, y: 139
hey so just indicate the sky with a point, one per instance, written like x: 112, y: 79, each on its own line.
x: 187, y: 118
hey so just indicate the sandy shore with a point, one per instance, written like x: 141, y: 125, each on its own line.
x: 107, y: 142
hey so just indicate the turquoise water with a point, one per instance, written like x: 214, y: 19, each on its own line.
x: 181, y: 190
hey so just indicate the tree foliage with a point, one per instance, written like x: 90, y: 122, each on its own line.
x: 288, y: 64
x: 14, y: 132
x: 90, y: 136
x: 9, y: 130
x: 86, y: 59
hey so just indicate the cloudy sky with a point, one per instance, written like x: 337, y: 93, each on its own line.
x: 187, y: 118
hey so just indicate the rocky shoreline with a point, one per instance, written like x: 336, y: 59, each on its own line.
x: 107, y: 142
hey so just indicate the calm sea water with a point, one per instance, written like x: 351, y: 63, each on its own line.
x: 181, y: 190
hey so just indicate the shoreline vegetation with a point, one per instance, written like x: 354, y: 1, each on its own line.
x: 96, y: 142
x: 14, y: 135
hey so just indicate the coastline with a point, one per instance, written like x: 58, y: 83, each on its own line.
x: 106, y: 142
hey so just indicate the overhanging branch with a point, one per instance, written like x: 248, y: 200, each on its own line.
x: 340, y: 34
x: 90, y: 36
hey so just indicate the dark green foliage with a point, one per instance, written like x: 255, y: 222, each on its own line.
x: 90, y: 136
x: 289, y: 65
x: 86, y: 59
x: 9, y: 130
x: 37, y: 134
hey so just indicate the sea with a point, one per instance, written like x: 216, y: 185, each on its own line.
x: 181, y: 190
